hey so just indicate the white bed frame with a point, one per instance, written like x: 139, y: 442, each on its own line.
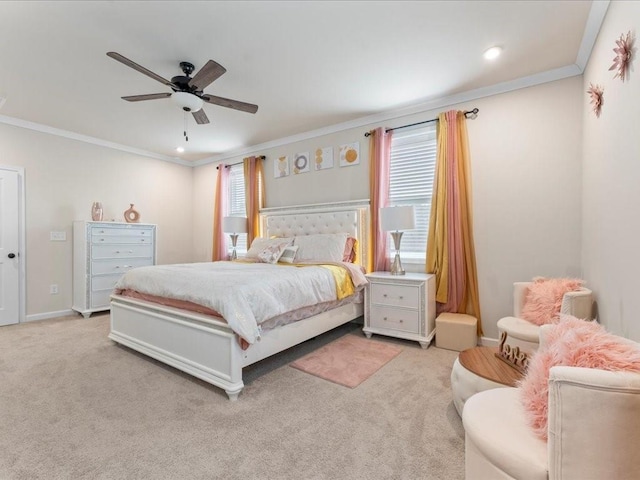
x: 204, y: 346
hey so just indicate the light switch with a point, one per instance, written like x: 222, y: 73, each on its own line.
x: 58, y: 236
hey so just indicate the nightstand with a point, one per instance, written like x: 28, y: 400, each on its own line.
x: 401, y: 306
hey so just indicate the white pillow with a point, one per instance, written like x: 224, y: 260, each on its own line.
x: 321, y: 247
x: 259, y: 244
x: 289, y: 254
x: 272, y: 253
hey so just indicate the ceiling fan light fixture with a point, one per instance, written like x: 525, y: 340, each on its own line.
x: 187, y: 101
x: 492, y: 53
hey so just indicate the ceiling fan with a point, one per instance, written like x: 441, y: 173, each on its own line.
x: 188, y: 91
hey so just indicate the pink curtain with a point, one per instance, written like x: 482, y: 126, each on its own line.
x: 220, y: 251
x: 379, y: 161
x: 450, y: 245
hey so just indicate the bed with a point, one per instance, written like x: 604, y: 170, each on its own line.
x: 204, y: 345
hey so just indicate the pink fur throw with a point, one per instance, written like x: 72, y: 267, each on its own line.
x: 543, y: 298
x: 574, y: 343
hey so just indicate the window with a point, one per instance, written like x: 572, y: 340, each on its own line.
x: 237, y: 202
x: 412, y: 173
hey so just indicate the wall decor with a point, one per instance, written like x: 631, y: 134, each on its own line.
x: 131, y: 215
x: 624, y: 54
x: 281, y: 167
x: 596, y: 93
x: 324, y: 158
x: 350, y: 154
x: 301, y: 163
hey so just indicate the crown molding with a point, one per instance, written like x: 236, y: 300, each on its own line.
x: 592, y: 28
x: 38, y: 127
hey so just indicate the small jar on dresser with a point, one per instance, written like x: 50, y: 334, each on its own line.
x: 401, y: 306
x: 102, y: 252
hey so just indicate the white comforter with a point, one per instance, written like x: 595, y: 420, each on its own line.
x: 245, y: 294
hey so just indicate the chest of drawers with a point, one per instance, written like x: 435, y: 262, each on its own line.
x: 401, y: 306
x: 102, y: 252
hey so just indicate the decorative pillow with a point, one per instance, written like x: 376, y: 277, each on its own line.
x: 259, y: 244
x: 350, y: 249
x: 272, y: 253
x: 574, y: 343
x: 544, y: 298
x: 289, y: 254
x: 321, y: 247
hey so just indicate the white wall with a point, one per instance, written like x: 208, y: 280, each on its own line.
x: 63, y: 178
x: 611, y: 194
x: 526, y: 167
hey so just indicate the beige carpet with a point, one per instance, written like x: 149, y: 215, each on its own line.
x: 74, y: 405
x: 348, y: 361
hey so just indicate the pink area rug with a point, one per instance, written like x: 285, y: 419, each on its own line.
x: 348, y: 361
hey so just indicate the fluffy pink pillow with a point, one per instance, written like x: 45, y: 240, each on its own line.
x: 350, y: 247
x: 574, y: 343
x: 544, y: 298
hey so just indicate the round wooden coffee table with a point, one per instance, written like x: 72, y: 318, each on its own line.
x: 483, y: 362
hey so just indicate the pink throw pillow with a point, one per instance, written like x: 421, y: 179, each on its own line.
x: 349, y: 254
x: 543, y: 298
x: 574, y: 343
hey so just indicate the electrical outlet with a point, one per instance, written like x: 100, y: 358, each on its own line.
x: 53, y: 289
x: 58, y: 236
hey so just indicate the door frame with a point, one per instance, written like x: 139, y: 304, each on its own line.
x: 22, y: 242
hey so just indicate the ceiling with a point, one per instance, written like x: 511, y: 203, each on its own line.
x: 307, y: 65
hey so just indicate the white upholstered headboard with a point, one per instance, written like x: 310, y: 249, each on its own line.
x: 343, y: 217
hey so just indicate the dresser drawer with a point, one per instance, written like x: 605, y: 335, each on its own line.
x: 395, y: 295
x: 122, y: 231
x: 126, y: 239
x: 104, y: 282
x: 116, y: 251
x: 395, y: 319
x: 99, y: 267
x: 100, y: 299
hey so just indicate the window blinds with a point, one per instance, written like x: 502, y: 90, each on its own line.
x: 237, y: 201
x: 412, y: 174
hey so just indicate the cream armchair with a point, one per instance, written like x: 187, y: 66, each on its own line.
x: 593, y: 430
x: 523, y: 334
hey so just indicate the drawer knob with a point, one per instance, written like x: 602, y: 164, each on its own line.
x: 102, y: 239
x: 401, y: 321
x: 401, y: 297
x: 117, y: 251
x: 142, y: 240
x: 385, y: 319
x: 384, y: 295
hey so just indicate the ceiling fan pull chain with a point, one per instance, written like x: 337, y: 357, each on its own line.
x: 186, y: 135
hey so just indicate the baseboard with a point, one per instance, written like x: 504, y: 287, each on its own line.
x: 488, y: 342
x: 47, y: 315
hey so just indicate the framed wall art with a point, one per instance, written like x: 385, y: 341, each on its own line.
x: 350, y: 154
x: 301, y: 163
x: 324, y: 158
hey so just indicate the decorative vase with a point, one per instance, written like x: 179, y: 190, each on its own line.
x: 131, y: 215
x: 96, y: 212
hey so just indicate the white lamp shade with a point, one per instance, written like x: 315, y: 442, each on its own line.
x: 234, y: 224
x: 397, y: 218
x: 187, y: 100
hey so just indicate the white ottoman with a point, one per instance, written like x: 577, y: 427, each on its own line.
x: 456, y: 331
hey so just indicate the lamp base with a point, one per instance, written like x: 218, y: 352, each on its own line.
x: 234, y: 240
x: 396, y: 268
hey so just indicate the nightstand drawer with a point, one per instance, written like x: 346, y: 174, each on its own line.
x: 396, y: 319
x: 395, y: 295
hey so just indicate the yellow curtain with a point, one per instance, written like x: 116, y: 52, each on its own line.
x: 254, y: 195
x: 450, y: 244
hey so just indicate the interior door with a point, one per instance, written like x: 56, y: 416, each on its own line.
x: 9, y: 242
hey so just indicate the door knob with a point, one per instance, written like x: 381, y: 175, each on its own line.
x: 12, y: 255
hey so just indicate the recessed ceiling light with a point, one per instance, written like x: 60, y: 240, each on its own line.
x: 492, y: 53
x: 180, y: 149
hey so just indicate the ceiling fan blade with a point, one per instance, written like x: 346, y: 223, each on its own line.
x: 200, y: 116
x: 226, y: 102
x: 150, y: 96
x: 140, y: 68
x: 207, y: 74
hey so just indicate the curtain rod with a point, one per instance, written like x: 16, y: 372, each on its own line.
x: 473, y: 113
x: 261, y: 157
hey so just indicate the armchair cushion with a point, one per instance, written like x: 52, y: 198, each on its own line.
x: 574, y: 343
x: 543, y: 299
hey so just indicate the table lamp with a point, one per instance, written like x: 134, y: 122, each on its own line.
x: 233, y: 226
x: 395, y: 220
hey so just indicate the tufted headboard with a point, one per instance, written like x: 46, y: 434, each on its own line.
x: 343, y: 217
